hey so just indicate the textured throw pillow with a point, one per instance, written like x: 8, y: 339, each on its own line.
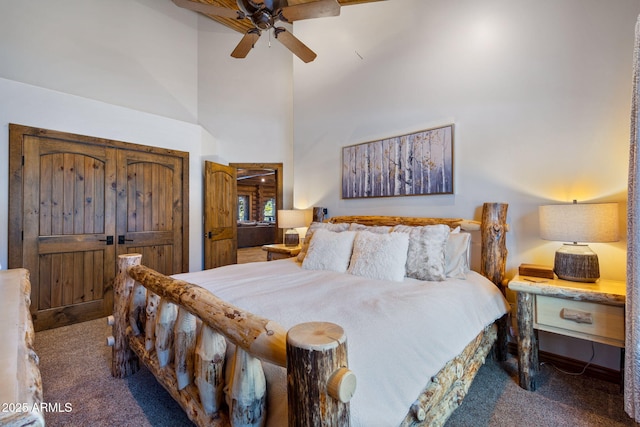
x: 427, y: 244
x: 379, y: 256
x: 329, y: 250
x: 456, y: 256
x: 312, y: 229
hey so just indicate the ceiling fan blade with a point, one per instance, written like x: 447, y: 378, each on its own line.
x: 316, y: 9
x: 210, y: 9
x: 246, y: 44
x: 294, y: 45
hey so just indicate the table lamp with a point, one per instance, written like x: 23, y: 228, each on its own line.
x: 578, y: 222
x: 289, y: 219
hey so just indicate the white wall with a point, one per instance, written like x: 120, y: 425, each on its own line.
x: 139, y: 54
x: 539, y: 93
x: 131, y: 71
x: 245, y: 104
x: 120, y: 70
x: 45, y: 108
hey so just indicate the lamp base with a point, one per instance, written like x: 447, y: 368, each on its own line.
x: 291, y: 238
x: 577, y: 263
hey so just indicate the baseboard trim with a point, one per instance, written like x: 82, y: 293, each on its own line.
x: 573, y: 365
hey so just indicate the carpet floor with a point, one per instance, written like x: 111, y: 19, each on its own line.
x: 75, y: 366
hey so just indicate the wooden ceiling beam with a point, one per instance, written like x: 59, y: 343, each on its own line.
x: 243, y: 25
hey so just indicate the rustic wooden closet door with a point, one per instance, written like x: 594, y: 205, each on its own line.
x: 68, y: 229
x: 220, y: 215
x: 150, y: 209
x: 76, y: 203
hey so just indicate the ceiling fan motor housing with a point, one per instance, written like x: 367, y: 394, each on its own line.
x: 262, y: 19
x: 263, y: 16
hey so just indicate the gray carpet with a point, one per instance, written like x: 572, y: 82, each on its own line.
x: 75, y: 366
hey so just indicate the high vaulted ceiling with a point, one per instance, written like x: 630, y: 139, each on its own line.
x: 243, y: 25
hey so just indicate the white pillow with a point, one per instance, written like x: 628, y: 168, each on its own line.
x: 329, y: 250
x: 379, y: 256
x: 456, y: 256
x: 312, y: 229
x: 425, y: 258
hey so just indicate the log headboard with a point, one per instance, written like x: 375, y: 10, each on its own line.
x: 401, y: 220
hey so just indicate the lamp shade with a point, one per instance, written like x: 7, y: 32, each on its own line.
x: 580, y: 222
x: 292, y: 218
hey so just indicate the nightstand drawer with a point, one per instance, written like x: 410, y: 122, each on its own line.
x: 581, y: 319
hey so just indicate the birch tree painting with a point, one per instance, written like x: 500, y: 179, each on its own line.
x: 415, y: 164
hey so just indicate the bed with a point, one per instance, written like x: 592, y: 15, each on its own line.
x: 306, y: 343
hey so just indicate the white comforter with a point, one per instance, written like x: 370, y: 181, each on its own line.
x: 398, y: 334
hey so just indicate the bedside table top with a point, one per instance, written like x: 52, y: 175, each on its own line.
x: 281, y: 248
x: 612, y: 292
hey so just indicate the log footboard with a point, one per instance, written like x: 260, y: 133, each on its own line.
x: 179, y: 331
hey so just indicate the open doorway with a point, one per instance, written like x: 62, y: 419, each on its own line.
x: 259, y: 187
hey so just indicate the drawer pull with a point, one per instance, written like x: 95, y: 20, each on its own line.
x: 576, y: 315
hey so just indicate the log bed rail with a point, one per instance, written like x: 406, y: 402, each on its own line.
x: 179, y: 331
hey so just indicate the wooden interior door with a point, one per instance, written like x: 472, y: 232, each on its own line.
x: 68, y: 229
x: 76, y: 202
x: 279, y: 171
x: 150, y: 209
x: 220, y: 207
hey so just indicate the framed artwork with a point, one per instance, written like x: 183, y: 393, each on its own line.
x: 419, y: 163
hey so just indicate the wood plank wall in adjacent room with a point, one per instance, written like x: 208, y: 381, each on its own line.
x: 258, y: 194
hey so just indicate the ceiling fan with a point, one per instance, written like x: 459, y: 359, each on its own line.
x: 264, y: 14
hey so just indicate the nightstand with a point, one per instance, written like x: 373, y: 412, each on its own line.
x: 591, y: 311
x: 279, y: 251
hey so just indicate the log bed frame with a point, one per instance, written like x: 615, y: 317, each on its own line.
x: 156, y: 315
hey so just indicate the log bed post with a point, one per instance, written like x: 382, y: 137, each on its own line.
x: 319, y: 385
x: 494, y: 248
x: 124, y: 361
x: 494, y: 258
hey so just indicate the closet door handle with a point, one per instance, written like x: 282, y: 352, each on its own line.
x: 121, y: 240
x: 109, y: 240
